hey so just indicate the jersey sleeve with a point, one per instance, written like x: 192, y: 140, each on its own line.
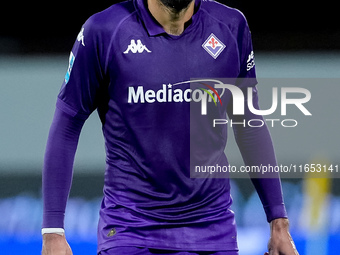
x: 77, y: 99
x: 257, y: 149
x: 58, y: 167
x: 78, y: 96
x: 247, y: 75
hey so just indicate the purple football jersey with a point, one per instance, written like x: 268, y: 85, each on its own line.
x: 138, y: 78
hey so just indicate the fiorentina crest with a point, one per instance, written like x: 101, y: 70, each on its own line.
x: 213, y: 46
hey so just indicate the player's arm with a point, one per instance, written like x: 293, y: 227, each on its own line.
x: 56, y: 179
x: 78, y: 98
x: 255, y: 143
x: 257, y: 149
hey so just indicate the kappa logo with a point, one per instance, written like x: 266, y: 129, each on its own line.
x: 136, y: 47
x: 80, y: 36
x: 213, y: 46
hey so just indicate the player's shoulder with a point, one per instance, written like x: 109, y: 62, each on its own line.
x: 227, y: 15
x: 110, y: 18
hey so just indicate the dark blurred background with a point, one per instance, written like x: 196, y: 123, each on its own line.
x: 51, y: 27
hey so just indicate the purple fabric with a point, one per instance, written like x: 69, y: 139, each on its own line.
x: 58, y: 165
x: 146, y: 251
x: 256, y: 147
x: 123, y: 65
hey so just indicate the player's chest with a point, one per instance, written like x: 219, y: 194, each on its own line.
x: 143, y: 59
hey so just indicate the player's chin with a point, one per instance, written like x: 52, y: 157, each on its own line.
x: 176, y: 6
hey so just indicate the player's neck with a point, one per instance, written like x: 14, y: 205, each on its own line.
x: 173, y: 22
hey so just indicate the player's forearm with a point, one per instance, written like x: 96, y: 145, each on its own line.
x: 58, y: 167
x: 257, y: 149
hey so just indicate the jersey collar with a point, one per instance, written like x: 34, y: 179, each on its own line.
x: 151, y: 24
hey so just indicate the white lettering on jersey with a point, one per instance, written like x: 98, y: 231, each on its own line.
x: 174, y: 93
x: 177, y: 94
x: 250, y: 61
x: 136, y: 47
x: 80, y: 36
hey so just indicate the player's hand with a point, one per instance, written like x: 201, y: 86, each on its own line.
x: 54, y: 244
x: 280, y: 242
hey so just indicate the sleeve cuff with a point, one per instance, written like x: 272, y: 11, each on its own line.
x: 59, y: 231
x: 61, y: 105
x: 275, y: 211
